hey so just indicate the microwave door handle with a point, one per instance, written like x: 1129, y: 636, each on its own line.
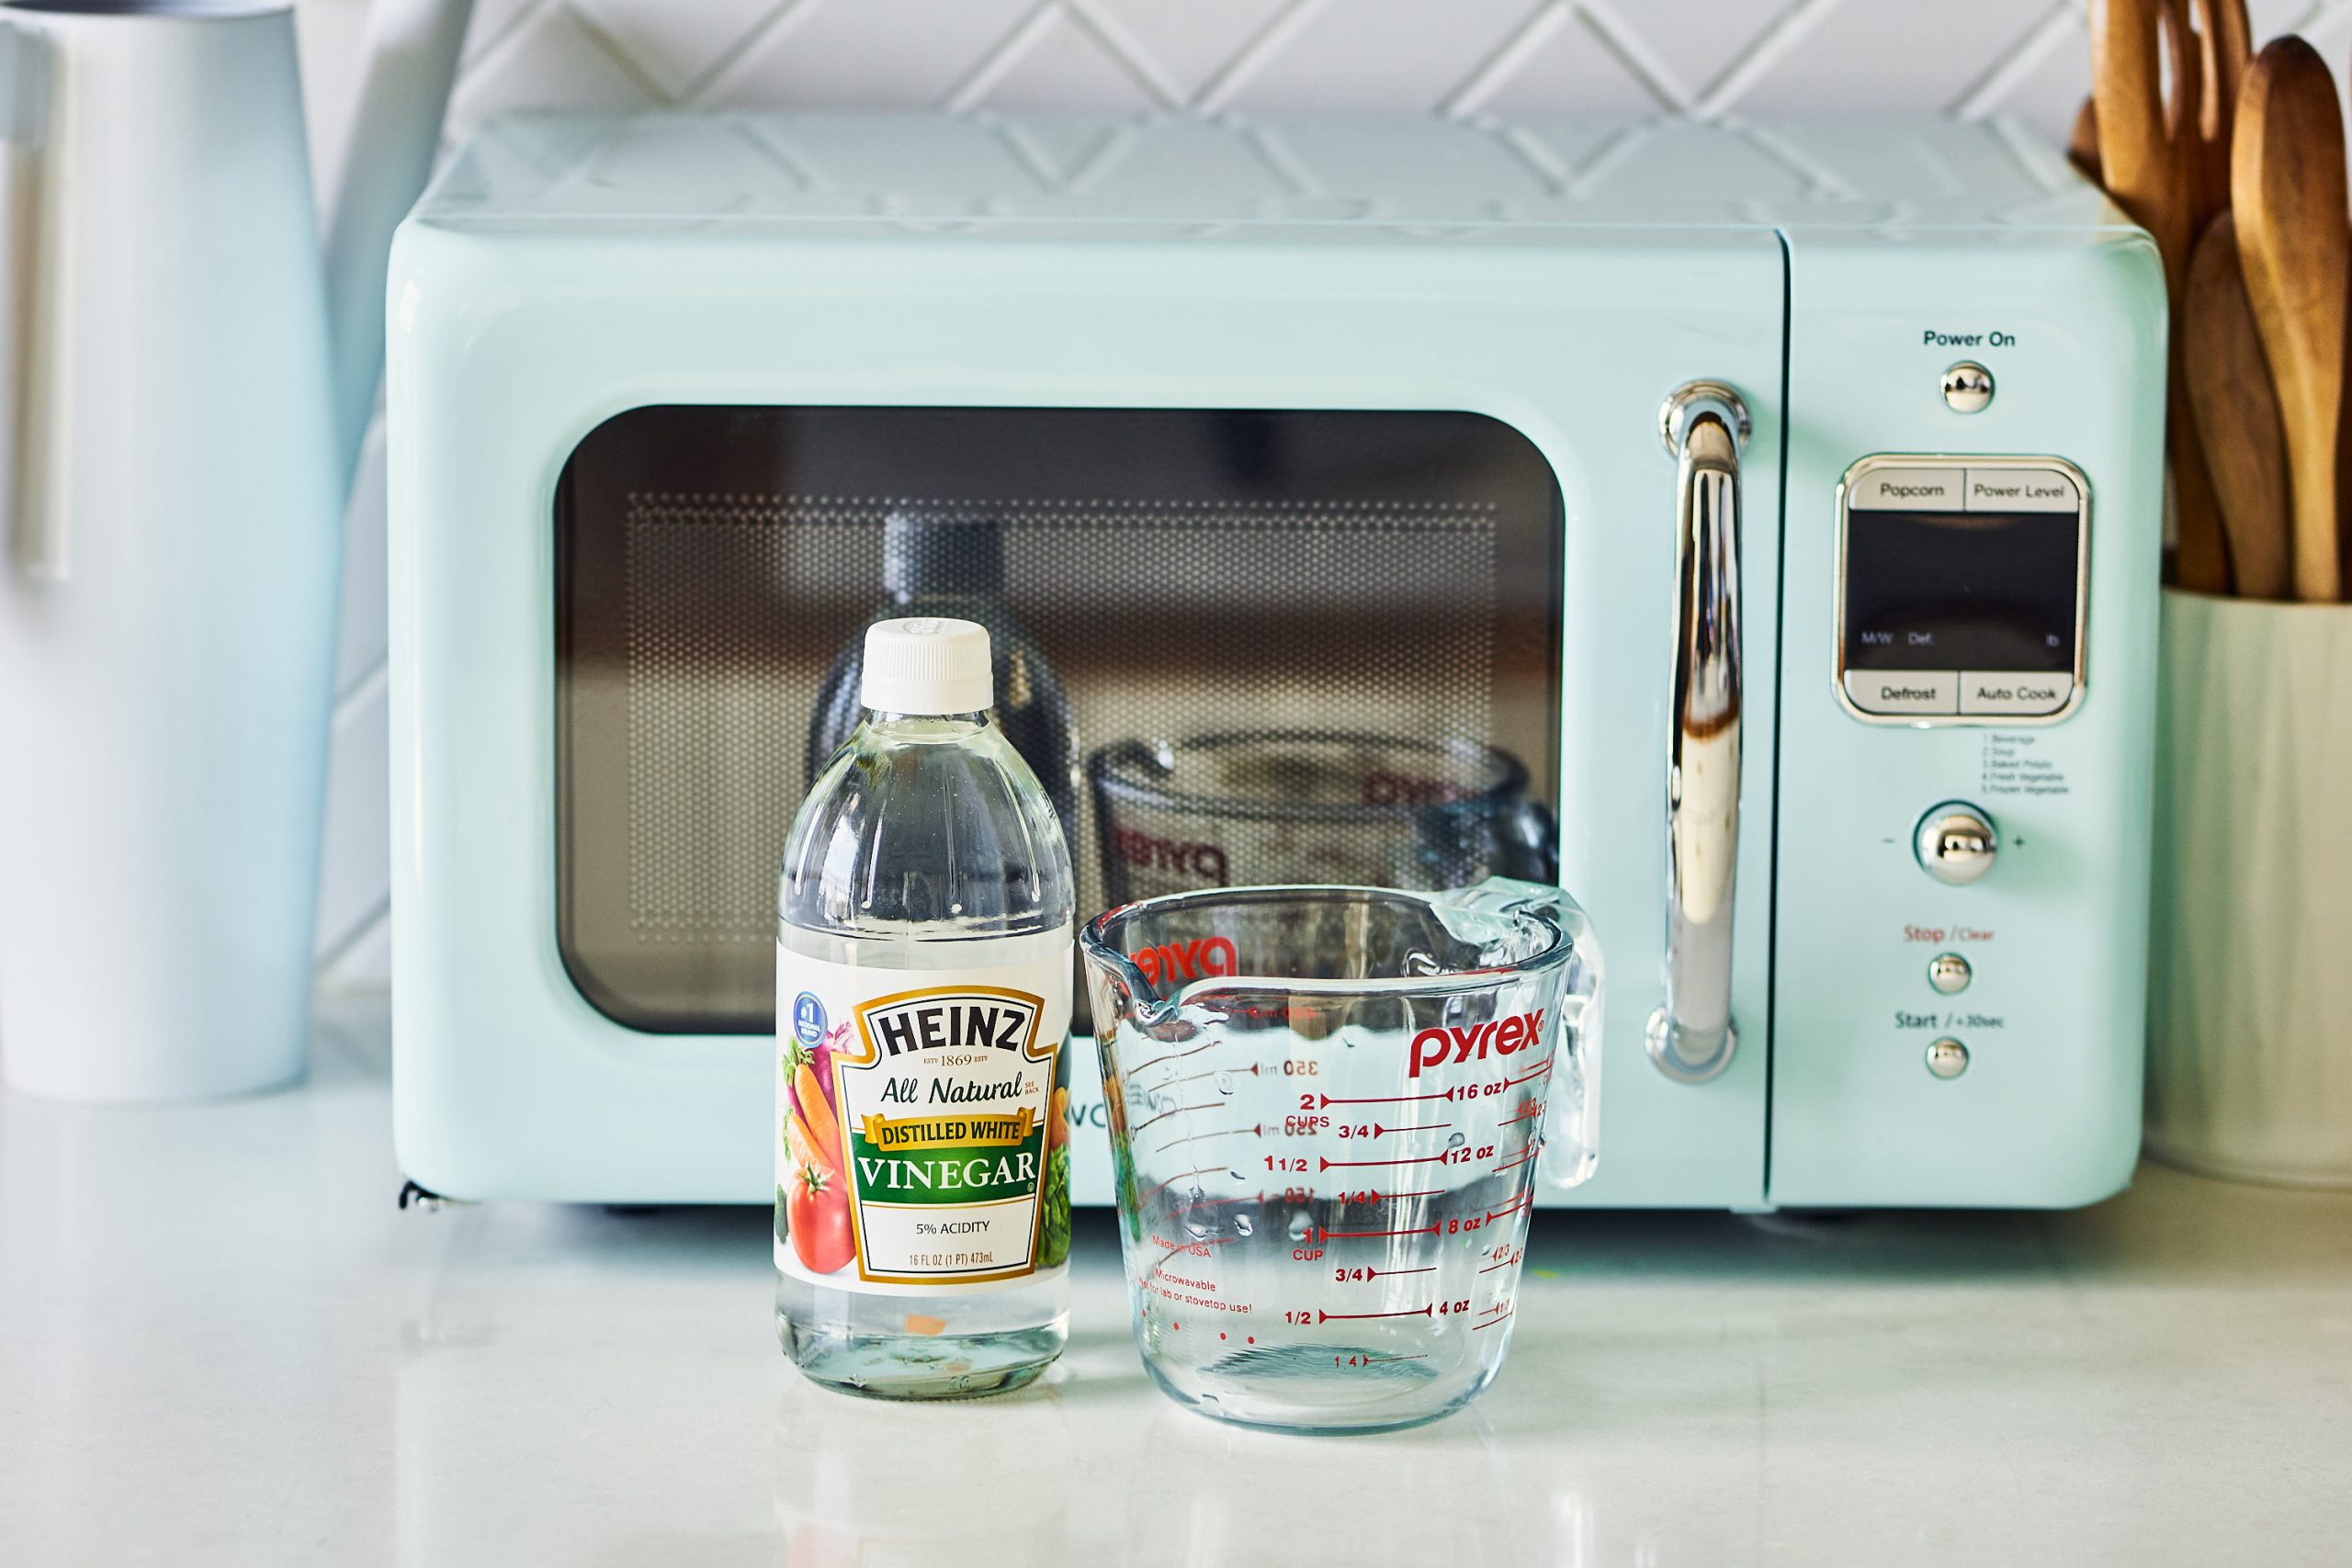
x: 1691, y: 1037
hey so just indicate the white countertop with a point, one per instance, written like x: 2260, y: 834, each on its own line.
x: 220, y: 1342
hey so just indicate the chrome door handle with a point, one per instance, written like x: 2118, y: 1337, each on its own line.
x: 1691, y: 1038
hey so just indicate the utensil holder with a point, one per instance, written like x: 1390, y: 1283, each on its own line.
x: 2250, y: 979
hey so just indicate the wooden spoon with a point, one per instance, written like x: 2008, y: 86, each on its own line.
x: 2236, y: 415
x: 2287, y: 186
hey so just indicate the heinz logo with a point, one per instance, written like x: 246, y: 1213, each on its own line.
x: 1432, y: 1047
x: 952, y: 1021
x: 1194, y: 960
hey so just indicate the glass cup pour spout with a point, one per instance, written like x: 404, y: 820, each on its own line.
x: 1327, y: 1109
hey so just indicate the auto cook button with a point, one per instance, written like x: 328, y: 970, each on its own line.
x: 1904, y: 691
x: 1908, y: 489
x: 2020, y: 490
x: 2023, y: 694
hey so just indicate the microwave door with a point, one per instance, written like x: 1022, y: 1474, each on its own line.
x: 1238, y: 647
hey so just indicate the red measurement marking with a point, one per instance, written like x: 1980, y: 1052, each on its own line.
x: 1376, y: 1196
x: 1529, y: 1077
x: 1258, y: 1131
x: 1408, y: 1159
x: 1517, y: 1159
x: 1376, y: 1273
x: 1490, y: 1322
x: 1359, y: 1235
x: 1525, y: 1201
x: 1380, y: 1131
x: 1530, y: 1114
x: 1330, y: 1100
x: 1207, y: 1202
x: 1172, y: 1056
x: 1502, y: 1263
x: 1378, y: 1361
x: 1321, y: 1316
x: 1172, y: 1111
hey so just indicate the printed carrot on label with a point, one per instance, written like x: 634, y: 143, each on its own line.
x: 809, y: 1099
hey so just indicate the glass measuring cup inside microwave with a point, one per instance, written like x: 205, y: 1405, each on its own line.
x: 1327, y: 1106
x: 1251, y: 807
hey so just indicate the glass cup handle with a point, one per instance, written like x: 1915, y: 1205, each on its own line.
x: 1571, y: 1126
x: 1691, y: 1037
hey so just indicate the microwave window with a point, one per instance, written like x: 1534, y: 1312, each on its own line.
x: 1237, y: 648
x: 1961, y: 590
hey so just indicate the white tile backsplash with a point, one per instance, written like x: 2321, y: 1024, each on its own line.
x: 1552, y: 57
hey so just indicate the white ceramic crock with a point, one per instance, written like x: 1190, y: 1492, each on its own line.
x: 2250, y: 977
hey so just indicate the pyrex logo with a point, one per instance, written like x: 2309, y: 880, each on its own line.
x: 1151, y: 853
x: 1192, y: 960
x: 1433, y: 1047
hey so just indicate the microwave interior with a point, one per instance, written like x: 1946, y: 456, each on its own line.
x: 1292, y: 644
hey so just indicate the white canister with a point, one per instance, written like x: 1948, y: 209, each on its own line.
x: 168, y: 596
x: 2250, y: 977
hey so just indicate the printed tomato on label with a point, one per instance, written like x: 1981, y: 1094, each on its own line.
x: 816, y: 1213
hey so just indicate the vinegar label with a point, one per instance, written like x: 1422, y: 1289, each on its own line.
x: 924, y: 1129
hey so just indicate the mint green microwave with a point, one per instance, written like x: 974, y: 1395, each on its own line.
x: 1755, y: 528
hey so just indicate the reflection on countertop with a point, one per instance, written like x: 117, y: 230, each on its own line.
x: 220, y: 1342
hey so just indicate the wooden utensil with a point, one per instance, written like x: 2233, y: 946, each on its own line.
x: 2082, y: 143
x: 2149, y: 153
x: 2295, y: 247
x: 2236, y: 415
x: 2223, y: 45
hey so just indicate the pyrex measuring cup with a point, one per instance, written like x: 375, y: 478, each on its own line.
x: 1250, y: 806
x: 1327, y: 1105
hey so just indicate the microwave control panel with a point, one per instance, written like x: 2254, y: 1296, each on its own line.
x: 1961, y: 589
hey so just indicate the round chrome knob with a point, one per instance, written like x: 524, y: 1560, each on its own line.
x: 1947, y: 1058
x: 1956, y: 843
x: 1948, y: 973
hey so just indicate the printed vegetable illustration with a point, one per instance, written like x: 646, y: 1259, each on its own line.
x: 1053, y: 1240
x: 1058, y: 1120
x: 816, y: 1217
x: 819, y: 1134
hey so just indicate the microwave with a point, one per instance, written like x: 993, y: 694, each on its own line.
x: 1766, y: 522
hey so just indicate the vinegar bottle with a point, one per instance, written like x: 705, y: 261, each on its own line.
x: 924, y: 966
x: 952, y: 565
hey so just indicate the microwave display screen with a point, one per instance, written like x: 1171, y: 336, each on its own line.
x: 1236, y: 647
x: 1961, y: 590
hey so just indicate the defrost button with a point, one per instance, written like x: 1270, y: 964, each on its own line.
x: 1902, y: 692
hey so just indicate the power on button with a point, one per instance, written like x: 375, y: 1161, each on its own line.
x: 1968, y: 387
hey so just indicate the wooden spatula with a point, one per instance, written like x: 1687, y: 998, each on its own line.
x: 2147, y: 149
x: 2294, y: 244
x: 2236, y: 415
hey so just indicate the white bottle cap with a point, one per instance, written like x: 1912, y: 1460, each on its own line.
x: 926, y: 665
